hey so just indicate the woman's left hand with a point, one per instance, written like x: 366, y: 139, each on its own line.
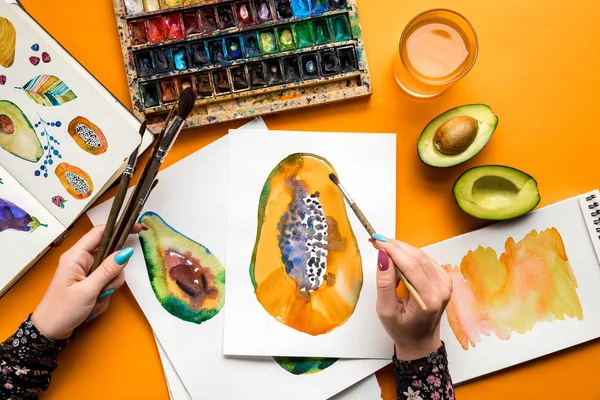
x: 73, y: 297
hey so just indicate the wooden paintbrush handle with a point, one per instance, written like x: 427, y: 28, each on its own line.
x: 411, y: 289
x: 363, y: 220
x: 110, y: 223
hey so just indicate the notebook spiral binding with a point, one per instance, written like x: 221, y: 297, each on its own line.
x: 595, y: 206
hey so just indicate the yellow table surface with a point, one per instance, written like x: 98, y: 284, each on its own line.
x: 539, y: 70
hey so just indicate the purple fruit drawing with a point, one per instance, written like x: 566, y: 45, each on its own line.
x: 15, y: 218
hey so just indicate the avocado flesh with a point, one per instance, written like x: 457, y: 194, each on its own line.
x: 487, y: 123
x: 21, y: 140
x: 496, y: 192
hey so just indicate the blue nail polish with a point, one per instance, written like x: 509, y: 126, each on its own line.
x: 91, y: 317
x: 106, y: 294
x: 379, y: 237
x: 123, y: 256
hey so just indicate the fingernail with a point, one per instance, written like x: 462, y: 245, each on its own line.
x: 106, y: 294
x: 144, y: 227
x: 383, y: 261
x: 123, y: 256
x: 91, y: 317
x: 379, y: 237
x: 371, y: 240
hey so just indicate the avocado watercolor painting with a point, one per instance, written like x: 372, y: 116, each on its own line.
x: 187, y: 279
x: 17, y: 135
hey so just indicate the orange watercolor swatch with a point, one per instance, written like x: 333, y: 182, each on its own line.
x: 531, y: 282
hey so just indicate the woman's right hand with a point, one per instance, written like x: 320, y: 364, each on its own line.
x: 416, y: 333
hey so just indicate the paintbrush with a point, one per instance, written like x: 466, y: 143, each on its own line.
x: 118, y: 203
x: 131, y: 203
x: 145, y: 185
x: 363, y: 220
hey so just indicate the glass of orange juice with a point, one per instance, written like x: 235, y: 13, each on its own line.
x: 437, y: 48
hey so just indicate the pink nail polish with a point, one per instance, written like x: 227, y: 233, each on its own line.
x: 144, y: 227
x: 371, y: 240
x: 383, y: 261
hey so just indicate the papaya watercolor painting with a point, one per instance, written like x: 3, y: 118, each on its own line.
x: 76, y: 181
x: 531, y: 282
x: 306, y: 267
x: 304, y: 365
x: 88, y: 136
x: 187, y: 279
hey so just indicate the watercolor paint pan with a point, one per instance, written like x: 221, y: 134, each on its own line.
x: 222, y: 81
x: 266, y: 50
x: 240, y: 78
x: 249, y: 44
x: 264, y: 11
x: 204, y: 85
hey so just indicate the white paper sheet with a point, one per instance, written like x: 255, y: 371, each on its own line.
x: 18, y: 247
x: 492, y: 353
x: 366, y: 166
x: 176, y: 388
x: 93, y: 102
x: 191, y: 197
x: 367, y: 389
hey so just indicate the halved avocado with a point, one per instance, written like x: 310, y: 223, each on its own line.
x: 496, y: 192
x: 17, y: 135
x: 467, y: 147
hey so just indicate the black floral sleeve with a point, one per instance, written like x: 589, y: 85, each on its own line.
x: 427, y: 378
x: 27, y: 359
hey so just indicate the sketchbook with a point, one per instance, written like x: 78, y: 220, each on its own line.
x: 63, y: 141
x: 522, y: 289
x: 187, y: 238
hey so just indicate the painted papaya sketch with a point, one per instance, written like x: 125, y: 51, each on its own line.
x: 77, y: 182
x: 306, y: 267
x: 13, y: 217
x: 187, y: 279
x: 88, y: 136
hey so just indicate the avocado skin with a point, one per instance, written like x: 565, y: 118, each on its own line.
x: 426, y: 130
x: 522, y: 212
x: 155, y: 242
x: 304, y: 365
x: 24, y: 142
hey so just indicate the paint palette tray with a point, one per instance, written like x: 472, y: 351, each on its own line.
x: 243, y: 58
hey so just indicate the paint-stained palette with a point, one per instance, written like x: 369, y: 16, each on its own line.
x: 243, y: 58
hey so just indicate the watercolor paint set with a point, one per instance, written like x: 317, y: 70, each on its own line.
x: 243, y: 58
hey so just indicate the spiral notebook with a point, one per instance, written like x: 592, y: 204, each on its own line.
x: 63, y: 141
x: 523, y: 288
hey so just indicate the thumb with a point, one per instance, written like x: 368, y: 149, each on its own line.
x: 387, y: 302
x: 109, y: 269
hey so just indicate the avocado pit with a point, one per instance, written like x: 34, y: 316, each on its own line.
x: 7, y: 126
x: 193, y: 279
x: 456, y: 135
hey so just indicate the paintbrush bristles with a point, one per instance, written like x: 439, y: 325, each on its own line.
x: 334, y: 179
x: 186, y: 103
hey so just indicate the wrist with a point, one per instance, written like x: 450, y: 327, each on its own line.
x: 47, y: 328
x: 413, y: 350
